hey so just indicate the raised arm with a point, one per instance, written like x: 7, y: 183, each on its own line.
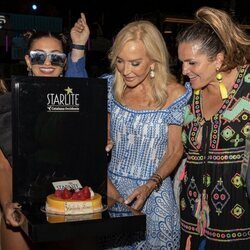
x: 79, y: 36
x: 76, y: 59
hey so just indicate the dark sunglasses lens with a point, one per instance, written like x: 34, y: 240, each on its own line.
x: 57, y: 59
x: 37, y: 57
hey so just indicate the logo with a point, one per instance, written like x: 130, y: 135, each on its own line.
x: 64, y: 102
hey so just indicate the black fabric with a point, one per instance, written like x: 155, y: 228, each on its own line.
x: 5, y: 126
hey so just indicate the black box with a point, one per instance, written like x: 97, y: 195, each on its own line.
x: 59, y: 130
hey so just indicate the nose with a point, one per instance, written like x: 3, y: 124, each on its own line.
x: 185, y: 68
x: 126, y: 69
x: 47, y: 61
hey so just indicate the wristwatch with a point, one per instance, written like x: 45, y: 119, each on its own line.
x: 78, y: 46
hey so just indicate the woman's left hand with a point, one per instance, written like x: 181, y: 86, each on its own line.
x: 139, y: 196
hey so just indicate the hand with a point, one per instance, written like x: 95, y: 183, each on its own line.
x: 80, y: 32
x: 109, y: 146
x: 13, y: 215
x: 139, y: 196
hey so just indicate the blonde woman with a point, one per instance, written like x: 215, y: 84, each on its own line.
x: 145, y: 117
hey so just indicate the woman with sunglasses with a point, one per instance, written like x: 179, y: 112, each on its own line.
x: 46, y: 58
x: 46, y: 55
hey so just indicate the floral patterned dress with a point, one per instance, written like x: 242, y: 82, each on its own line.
x: 213, y: 199
x: 140, y: 138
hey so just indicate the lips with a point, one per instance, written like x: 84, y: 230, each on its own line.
x: 192, y: 78
x: 46, y: 70
x: 128, y: 79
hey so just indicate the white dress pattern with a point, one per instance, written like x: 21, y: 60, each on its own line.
x: 139, y: 142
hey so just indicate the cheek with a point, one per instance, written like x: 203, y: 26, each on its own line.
x: 141, y: 70
x: 207, y: 73
x: 35, y: 70
x: 57, y: 72
x: 120, y: 68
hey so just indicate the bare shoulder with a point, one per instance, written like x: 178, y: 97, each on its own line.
x: 175, y: 90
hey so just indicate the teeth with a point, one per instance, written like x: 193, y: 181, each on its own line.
x: 192, y: 77
x: 47, y: 70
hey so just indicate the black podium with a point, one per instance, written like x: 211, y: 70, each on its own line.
x: 59, y: 130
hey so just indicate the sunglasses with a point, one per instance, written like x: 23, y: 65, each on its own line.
x: 39, y: 57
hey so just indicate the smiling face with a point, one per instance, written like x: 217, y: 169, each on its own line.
x: 197, y: 66
x: 48, y: 45
x: 134, y: 64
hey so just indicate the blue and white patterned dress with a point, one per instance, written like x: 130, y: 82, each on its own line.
x: 139, y: 142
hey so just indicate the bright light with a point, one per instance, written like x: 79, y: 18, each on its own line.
x: 34, y: 7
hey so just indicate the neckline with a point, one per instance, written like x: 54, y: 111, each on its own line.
x: 197, y: 99
x: 180, y: 98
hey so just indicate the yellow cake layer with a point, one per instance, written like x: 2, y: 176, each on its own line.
x: 71, y: 218
x: 68, y: 206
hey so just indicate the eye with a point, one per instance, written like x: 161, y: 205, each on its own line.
x: 192, y: 63
x: 118, y: 60
x: 135, y: 64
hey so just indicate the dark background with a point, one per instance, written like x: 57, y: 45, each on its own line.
x: 112, y: 16
x: 105, y: 19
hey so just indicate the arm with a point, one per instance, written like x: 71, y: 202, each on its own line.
x: 113, y: 192
x: 167, y: 165
x: 109, y: 141
x: 5, y: 181
x: 10, y: 210
x: 76, y: 69
x: 76, y: 59
x: 172, y: 156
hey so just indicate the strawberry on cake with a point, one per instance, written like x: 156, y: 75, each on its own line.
x: 67, y: 202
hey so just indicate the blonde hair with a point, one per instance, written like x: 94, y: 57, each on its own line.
x: 157, y: 51
x: 216, y: 32
x: 3, y: 88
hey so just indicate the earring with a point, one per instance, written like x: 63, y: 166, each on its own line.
x: 223, y: 90
x: 196, y: 91
x: 152, y: 73
x: 30, y: 73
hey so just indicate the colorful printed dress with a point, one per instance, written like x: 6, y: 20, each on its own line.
x: 140, y: 138
x: 213, y: 199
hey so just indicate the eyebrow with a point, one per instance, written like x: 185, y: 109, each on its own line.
x: 188, y: 60
x: 137, y: 59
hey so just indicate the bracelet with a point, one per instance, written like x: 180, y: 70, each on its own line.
x: 157, y: 179
x: 157, y: 186
x: 78, y: 46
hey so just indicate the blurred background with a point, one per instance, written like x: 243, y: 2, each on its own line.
x: 105, y: 19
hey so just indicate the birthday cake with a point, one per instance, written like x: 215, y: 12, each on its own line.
x: 70, y: 202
